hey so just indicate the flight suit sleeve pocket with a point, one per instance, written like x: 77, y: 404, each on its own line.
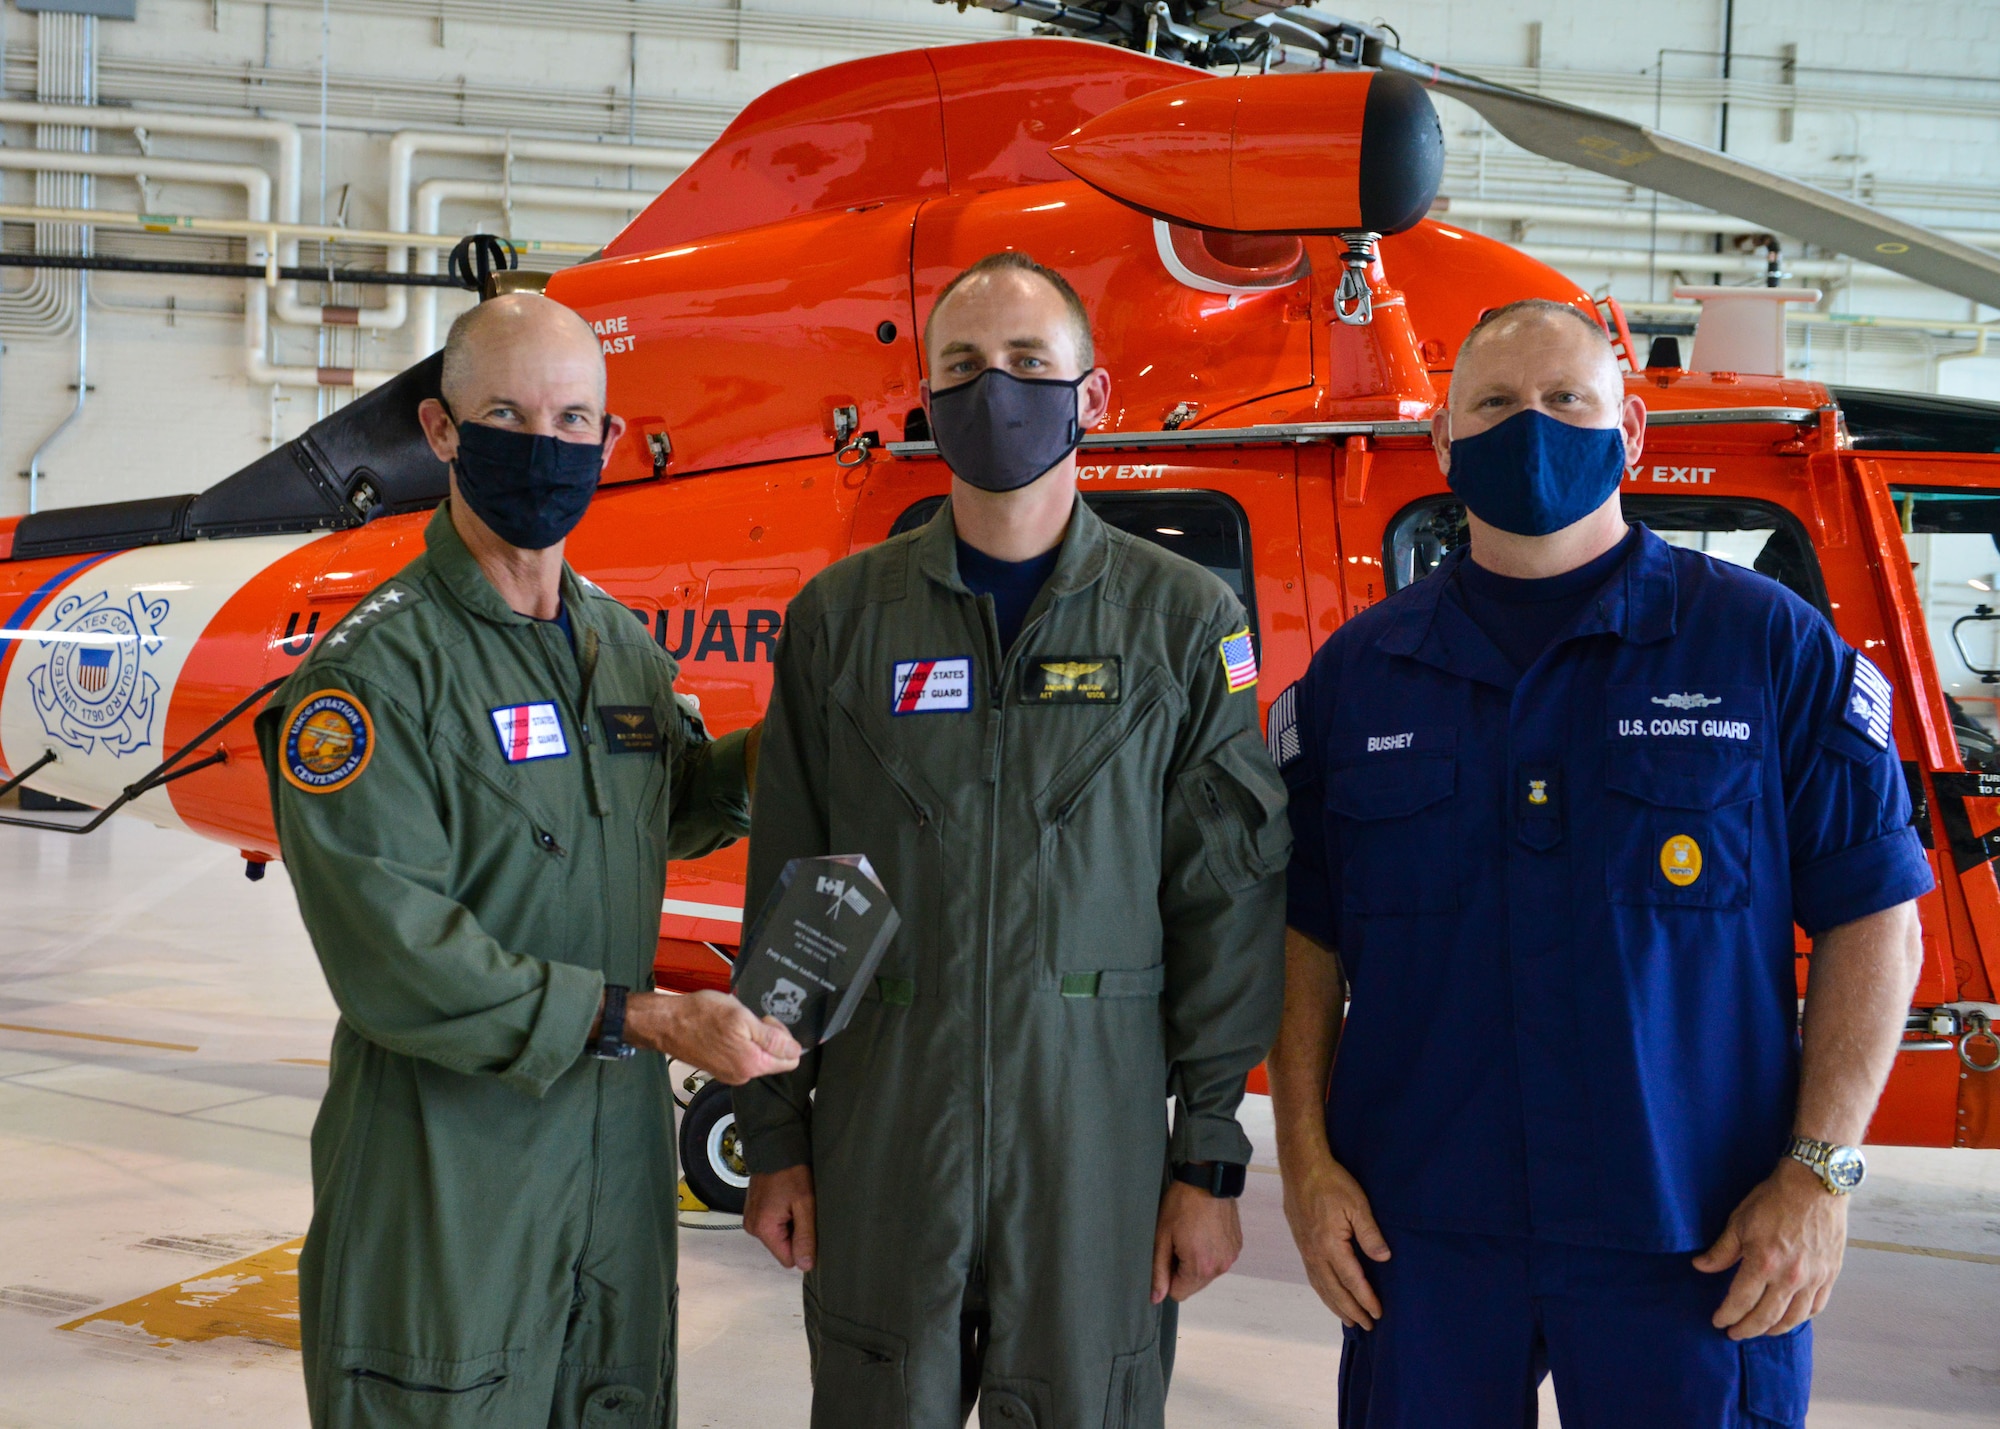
x: 1239, y: 801
x: 1680, y: 834
x: 857, y: 1372
x: 1777, y: 1378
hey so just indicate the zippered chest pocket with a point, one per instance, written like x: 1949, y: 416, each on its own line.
x: 1395, y: 819
x: 1680, y: 824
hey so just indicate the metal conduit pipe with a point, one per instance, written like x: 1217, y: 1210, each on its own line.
x: 1566, y: 256
x: 1557, y: 215
x: 256, y: 186
x: 82, y: 393
x: 283, y: 136
x: 408, y: 143
x: 431, y: 196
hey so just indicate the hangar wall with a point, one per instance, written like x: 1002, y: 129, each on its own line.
x: 1862, y: 97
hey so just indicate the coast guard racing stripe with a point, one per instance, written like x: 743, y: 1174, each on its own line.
x: 1239, y: 661
x: 1869, y: 704
x: 931, y: 686
x: 530, y: 732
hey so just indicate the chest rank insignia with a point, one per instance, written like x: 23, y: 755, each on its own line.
x: 629, y: 729
x: 328, y: 742
x: 1538, y: 791
x: 1073, y: 680
x: 1680, y: 860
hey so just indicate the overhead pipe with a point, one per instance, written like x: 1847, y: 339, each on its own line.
x: 408, y: 143
x: 1559, y: 215
x: 431, y: 197
x: 82, y: 393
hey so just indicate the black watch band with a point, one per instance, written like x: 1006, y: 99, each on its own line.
x: 610, y: 1045
x: 1221, y: 1179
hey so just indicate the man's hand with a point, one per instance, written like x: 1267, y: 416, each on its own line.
x: 712, y: 1031
x: 1329, y: 1216
x: 1198, y: 1237
x: 781, y: 1213
x: 1789, y: 1234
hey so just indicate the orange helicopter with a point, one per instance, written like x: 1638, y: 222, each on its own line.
x: 1280, y: 319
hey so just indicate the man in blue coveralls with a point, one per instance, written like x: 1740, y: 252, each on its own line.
x: 1557, y: 807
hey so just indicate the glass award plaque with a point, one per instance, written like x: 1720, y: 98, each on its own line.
x: 815, y: 946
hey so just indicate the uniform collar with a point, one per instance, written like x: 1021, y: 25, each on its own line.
x: 461, y: 575
x: 1085, y: 552
x: 1636, y: 604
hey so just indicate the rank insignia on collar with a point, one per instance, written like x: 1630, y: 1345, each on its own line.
x: 1239, y: 660
x: 629, y: 729
x: 1073, y: 680
x: 328, y: 742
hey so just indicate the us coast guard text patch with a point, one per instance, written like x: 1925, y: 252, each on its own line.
x: 1869, y: 705
x: 328, y: 742
x: 530, y: 732
x: 931, y: 686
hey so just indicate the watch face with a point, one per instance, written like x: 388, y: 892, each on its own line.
x: 1845, y: 1167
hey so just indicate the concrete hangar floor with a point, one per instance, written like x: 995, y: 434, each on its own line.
x: 163, y: 1029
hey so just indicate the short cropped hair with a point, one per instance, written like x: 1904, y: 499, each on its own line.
x: 1523, y: 306
x: 459, y: 341
x: 1009, y: 260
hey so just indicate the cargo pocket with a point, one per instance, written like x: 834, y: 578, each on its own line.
x: 1679, y: 835
x: 381, y: 1387
x: 1138, y: 1398
x: 1777, y: 1378
x: 1401, y: 834
x: 857, y: 1373
x: 616, y: 1406
x: 1238, y: 799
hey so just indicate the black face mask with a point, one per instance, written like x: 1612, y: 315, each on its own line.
x: 531, y: 490
x: 1000, y: 432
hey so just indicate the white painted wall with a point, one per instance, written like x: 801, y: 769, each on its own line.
x: 171, y: 410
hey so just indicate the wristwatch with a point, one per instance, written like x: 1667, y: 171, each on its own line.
x: 610, y: 1045
x: 1221, y: 1179
x: 1839, y: 1168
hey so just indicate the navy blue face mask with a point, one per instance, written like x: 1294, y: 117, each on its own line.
x: 1532, y: 475
x: 531, y: 490
x: 1001, y: 432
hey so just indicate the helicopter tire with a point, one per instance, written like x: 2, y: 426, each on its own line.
x: 711, y: 1160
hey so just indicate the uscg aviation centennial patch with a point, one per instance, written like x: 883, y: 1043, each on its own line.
x: 328, y: 742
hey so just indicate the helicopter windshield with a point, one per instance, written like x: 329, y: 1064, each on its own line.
x: 1953, y: 539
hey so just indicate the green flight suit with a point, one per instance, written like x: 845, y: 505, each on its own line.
x: 1086, y: 840
x: 492, y: 1239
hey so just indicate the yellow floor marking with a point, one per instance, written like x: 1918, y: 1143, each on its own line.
x: 98, y: 1037
x: 256, y: 1298
x: 304, y: 1061
x: 1976, y: 1257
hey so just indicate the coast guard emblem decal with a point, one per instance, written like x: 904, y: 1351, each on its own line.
x: 92, y: 687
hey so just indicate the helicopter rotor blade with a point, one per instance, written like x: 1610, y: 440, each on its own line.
x: 1636, y: 154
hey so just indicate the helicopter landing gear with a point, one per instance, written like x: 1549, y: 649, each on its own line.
x: 711, y: 1156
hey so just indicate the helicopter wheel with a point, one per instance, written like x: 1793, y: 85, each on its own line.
x: 711, y: 1157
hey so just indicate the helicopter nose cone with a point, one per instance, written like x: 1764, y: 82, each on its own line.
x: 1307, y: 153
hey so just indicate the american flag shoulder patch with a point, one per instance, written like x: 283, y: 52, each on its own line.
x: 1870, y: 705
x: 1281, y: 727
x: 1239, y: 660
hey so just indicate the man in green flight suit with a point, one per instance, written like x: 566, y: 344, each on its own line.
x: 1043, y: 733
x: 478, y: 778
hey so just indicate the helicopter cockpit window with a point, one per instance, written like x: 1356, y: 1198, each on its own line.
x: 1207, y: 527
x: 1953, y: 541
x: 1765, y: 538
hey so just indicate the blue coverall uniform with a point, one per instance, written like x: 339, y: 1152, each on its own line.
x: 1563, y: 901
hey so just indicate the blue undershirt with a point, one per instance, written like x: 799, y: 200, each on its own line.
x: 1523, y: 617
x: 562, y: 623
x: 1012, y: 584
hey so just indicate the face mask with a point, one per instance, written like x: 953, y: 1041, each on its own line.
x: 1001, y: 432
x: 532, y: 490
x: 1532, y: 474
